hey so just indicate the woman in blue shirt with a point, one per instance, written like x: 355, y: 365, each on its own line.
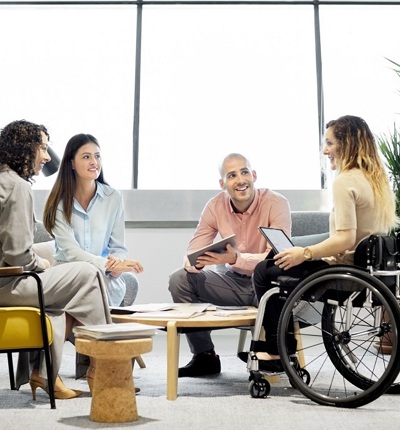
x: 86, y: 216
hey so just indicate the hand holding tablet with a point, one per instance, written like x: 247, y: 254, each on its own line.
x: 276, y: 238
x: 218, y: 247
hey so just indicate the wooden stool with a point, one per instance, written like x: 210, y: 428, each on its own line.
x: 113, y: 396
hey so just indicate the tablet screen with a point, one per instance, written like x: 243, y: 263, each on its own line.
x: 276, y: 238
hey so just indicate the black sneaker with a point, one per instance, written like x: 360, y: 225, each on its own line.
x: 205, y: 363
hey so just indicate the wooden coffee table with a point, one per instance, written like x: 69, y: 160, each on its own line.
x: 174, y: 327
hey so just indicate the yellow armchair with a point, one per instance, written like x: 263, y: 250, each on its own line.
x: 26, y: 329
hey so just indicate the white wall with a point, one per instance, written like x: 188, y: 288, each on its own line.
x: 160, y: 250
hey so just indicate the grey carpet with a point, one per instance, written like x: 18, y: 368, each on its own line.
x: 220, y: 402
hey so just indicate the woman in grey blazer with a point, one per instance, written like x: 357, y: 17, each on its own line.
x: 74, y: 293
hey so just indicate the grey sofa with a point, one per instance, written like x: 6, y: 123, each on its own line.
x: 44, y: 249
x: 309, y: 228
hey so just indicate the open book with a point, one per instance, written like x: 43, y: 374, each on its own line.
x: 147, y: 307
x: 233, y: 312
x: 115, y: 331
x: 181, y: 311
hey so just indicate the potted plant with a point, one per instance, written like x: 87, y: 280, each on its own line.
x: 389, y: 145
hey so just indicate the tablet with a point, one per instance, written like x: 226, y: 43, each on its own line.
x: 276, y: 238
x: 219, y: 247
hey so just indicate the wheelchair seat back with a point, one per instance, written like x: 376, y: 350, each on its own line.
x: 378, y: 253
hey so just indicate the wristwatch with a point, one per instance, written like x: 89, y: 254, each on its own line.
x: 307, y: 253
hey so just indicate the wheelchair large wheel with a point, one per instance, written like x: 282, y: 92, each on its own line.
x: 343, y: 313
x: 336, y: 340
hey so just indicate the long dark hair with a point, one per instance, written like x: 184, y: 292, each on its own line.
x: 65, y: 184
x: 19, y: 143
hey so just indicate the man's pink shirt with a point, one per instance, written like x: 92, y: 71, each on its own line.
x: 269, y: 209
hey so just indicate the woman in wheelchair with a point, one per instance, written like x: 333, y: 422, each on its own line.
x: 363, y: 204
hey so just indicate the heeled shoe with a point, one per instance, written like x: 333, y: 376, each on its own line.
x: 90, y: 380
x: 270, y: 366
x: 244, y: 355
x: 64, y: 394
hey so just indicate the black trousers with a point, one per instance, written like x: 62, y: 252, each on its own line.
x: 264, y: 273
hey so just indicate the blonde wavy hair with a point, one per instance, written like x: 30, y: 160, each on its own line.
x: 358, y: 150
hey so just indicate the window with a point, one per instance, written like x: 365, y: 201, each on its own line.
x: 214, y: 79
x: 358, y: 78
x: 72, y: 68
x: 227, y: 79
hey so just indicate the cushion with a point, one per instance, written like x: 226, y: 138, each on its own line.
x: 310, y: 239
x: 20, y: 327
x: 41, y: 234
x: 45, y: 250
x: 309, y: 222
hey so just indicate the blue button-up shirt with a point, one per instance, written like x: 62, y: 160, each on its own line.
x: 94, y: 234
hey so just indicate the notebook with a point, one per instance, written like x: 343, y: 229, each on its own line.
x: 276, y: 238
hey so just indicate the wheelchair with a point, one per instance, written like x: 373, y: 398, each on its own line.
x: 341, y: 316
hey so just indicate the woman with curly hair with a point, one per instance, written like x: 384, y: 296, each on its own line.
x: 74, y: 293
x: 363, y: 204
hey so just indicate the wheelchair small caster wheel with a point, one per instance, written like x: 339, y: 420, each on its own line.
x: 304, y: 375
x: 259, y: 389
